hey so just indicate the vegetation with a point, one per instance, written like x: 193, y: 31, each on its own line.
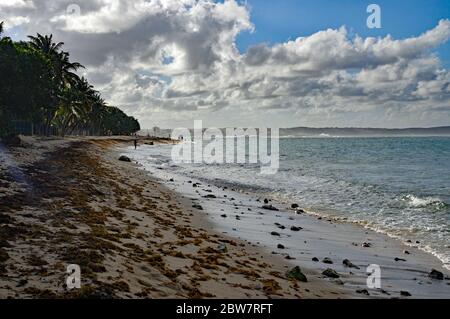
x: 40, y: 88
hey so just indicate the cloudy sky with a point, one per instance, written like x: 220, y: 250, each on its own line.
x: 254, y: 63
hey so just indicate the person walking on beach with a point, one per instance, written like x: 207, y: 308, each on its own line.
x: 135, y: 142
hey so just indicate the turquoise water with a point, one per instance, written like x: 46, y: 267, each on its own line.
x: 395, y: 185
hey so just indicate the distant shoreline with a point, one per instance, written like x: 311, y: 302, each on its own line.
x: 441, y: 131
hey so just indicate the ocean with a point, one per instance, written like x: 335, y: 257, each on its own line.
x: 399, y: 186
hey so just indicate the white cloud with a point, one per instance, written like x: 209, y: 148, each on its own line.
x: 176, y: 60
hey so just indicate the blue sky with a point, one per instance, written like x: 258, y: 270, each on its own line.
x: 278, y: 21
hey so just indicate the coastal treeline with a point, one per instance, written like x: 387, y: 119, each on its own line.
x: 41, y: 93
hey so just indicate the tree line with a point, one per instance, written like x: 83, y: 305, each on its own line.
x: 39, y: 86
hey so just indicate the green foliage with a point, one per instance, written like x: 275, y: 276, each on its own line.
x: 39, y: 84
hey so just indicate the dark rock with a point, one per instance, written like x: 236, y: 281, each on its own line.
x: 294, y: 206
x: 363, y: 292
x: 399, y: 259
x: 266, y: 201
x: 406, y: 252
x: 171, y: 180
x: 270, y: 207
x: 294, y: 228
x: 196, y: 206
x: 327, y: 260
x: 367, y: 245
x: 300, y: 211
x: 296, y: 274
x: 210, y: 196
x: 315, y: 259
x: 385, y: 292
x: 435, y: 274
x: 289, y: 257
x: 349, y: 264
x: 223, y: 216
x: 405, y: 294
x: 330, y: 273
x: 280, y: 246
x: 124, y: 158
x: 274, y: 233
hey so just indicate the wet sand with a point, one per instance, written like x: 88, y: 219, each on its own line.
x: 314, y: 243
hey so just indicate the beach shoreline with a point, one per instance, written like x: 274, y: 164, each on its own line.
x: 238, y: 213
x: 73, y: 202
x: 140, y: 235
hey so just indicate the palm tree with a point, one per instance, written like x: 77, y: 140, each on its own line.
x: 2, y: 30
x: 65, y: 77
x: 45, y: 44
x: 66, y: 70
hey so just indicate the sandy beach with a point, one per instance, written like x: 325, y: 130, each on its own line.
x: 142, y: 234
x: 73, y: 202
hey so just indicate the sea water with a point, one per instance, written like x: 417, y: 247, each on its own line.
x: 396, y: 185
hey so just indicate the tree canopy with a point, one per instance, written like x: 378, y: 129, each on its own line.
x: 39, y: 85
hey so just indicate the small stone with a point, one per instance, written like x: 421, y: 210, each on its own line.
x: 223, y: 216
x: 270, y: 207
x: 210, y: 196
x: 330, y: 273
x: 196, y: 206
x: 405, y: 294
x: 327, y: 260
x: 349, y: 264
x: 367, y: 245
x: 363, y: 292
x: 296, y: 273
x: 435, y: 274
x: 280, y: 246
x: 294, y: 206
x: 124, y: 158
x: 294, y: 228
x: 399, y: 259
x: 385, y: 292
x: 274, y: 233
x: 266, y: 201
x: 406, y: 252
x: 315, y: 259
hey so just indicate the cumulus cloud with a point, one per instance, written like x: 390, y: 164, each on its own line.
x: 172, y: 61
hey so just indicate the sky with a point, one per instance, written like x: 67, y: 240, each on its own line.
x: 256, y: 63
